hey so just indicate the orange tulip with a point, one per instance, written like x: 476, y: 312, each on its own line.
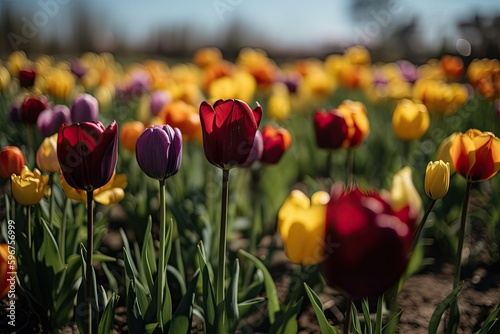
x: 11, y: 161
x: 129, y: 133
x: 452, y: 66
x: 476, y: 155
x: 354, y: 113
x: 179, y: 114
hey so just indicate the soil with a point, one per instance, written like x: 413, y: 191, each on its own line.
x: 418, y: 298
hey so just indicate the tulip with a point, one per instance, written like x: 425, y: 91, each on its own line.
x: 129, y: 133
x: 78, y: 68
x: 11, y: 161
x: 257, y: 150
x: 206, y: 57
x: 443, y: 151
x: 276, y: 142
x: 279, y: 103
x: 408, y: 71
x: 452, y: 66
x: 159, y: 99
x: 179, y: 114
x: 46, y: 155
x: 29, y: 187
x: 410, y: 120
x: 159, y: 151
x: 84, y: 108
x: 437, y: 179
x: 476, y: 155
x: 371, y: 244
x: 405, y: 199
x: 109, y: 194
x: 27, y: 78
x: 8, y: 265
x: 50, y: 120
x: 330, y: 129
x: 358, y: 126
x: 229, y: 128
x: 4, y: 79
x: 59, y: 83
x: 32, y: 107
x: 301, y: 225
x: 87, y: 153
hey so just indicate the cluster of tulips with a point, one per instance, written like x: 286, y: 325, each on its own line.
x: 359, y: 238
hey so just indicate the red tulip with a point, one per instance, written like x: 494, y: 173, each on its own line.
x: 27, y: 78
x: 367, y: 243
x: 11, y: 161
x: 32, y: 107
x: 229, y: 128
x: 330, y: 129
x: 87, y: 153
x: 276, y: 142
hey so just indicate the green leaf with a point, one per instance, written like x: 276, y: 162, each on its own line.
x: 489, y: 322
x: 273, y: 305
x: 287, y: 321
x: 49, y: 252
x: 146, y: 265
x: 325, y: 327
x: 366, y: 314
x: 245, y: 307
x: 232, y: 310
x: 99, y: 257
x: 178, y: 276
x: 209, y: 304
x: 442, y: 306
x: 356, y: 324
x: 108, y: 317
x: 182, y: 318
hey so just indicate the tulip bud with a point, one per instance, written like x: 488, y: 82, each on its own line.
x: 330, y: 129
x: 32, y: 107
x: 11, y: 161
x: 50, y: 120
x: 84, y: 108
x: 437, y: 179
x: 410, y: 120
x: 159, y: 99
x: 404, y: 196
x: 46, y: 155
x: 27, y: 78
x: 276, y: 142
x: 129, y: 133
x: 159, y: 151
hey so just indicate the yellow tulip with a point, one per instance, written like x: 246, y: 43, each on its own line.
x: 109, y: 194
x: 301, y: 224
x: 437, y: 179
x: 278, y: 106
x: 403, y: 193
x: 59, y: 83
x: 29, y: 187
x: 443, y: 152
x: 4, y: 78
x: 410, y: 120
x: 46, y: 156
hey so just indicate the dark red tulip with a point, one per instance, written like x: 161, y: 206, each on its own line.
x: 27, y: 78
x: 367, y: 244
x: 32, y: 107
x: 229, y: 128
x: 276, y: 142
x: 330, y: 128
x: 87, y: 153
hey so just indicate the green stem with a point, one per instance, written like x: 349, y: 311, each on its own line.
x: 221, y: 270
x: 348, y: 317
x: 62, y: 231
x: 51, y: 200
x: 90, y: 253
x: 454, y: 310
x: 378, y: 321
x: 298, y: 288
x: 162, y: 266
x: 420, y: 226
x: 349, y: 166
x: 28, y: 208
x: 329, y: 164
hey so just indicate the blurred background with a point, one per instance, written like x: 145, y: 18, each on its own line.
x: 391, y: 29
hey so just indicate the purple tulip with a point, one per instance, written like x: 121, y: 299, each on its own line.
x: 292, y: 82
x: 84, y: 108
x: 139, y: 83
x: 408, y: 70
x: 159, y: 99
x: 78, y: 69
x: 50, y: 120
x: 159, y: 151
x: 87, y: 153
x: 256, y: 151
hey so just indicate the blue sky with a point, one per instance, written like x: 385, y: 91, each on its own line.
x: 289, y: 22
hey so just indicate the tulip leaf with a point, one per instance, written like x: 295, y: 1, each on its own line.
x: 108, y: 317
x: 147, y: 260
x: 245, y: 307
x: 356, y: 324
x: 178, y: 276
x: 209, y: 304
x: 232, y: 310
x: 489, y: 322
x: 325, y: 327
x: 366, y: 314
x: 273, y: 305
x: 49, y: 252
x: 182, y: 318
x: 442, y: 306
x: 99, y: 257
x: 287, y: 321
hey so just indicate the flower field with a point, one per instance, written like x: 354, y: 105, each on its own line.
x: 213, y: 195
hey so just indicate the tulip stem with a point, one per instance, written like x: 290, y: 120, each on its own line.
x: 329, y: 164
x: 90, y: 253
x: 161, y: 260
x: 221, y: 274
x: 28, y: 208
x: 62, y: 232
x: 458, y: 256
x: 51, y: 200
x: 420, y: 226
x: 348, y: 317
x: 349, y: 166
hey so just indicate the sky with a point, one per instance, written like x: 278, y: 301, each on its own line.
x: 287, y: 22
